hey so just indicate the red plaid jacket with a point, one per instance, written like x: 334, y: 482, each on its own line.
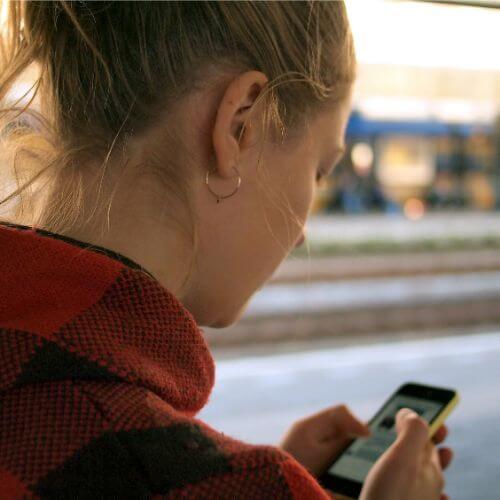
x: 102, y: 371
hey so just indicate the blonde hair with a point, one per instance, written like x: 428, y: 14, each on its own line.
x: 111, y: 71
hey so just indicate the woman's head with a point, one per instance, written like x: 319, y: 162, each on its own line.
x: 139, y: 99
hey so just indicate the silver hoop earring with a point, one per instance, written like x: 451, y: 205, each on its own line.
x: 222, y: 197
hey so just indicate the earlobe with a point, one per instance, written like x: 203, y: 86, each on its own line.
x: 233, y: 118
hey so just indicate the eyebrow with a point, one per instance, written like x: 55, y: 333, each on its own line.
x: 340, y: 149
x: 338, y: 152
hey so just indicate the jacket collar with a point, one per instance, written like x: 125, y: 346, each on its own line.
x: 69, y: 310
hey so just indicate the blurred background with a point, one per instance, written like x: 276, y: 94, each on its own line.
x: 399, y: 279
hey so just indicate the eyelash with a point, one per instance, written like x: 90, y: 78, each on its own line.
x: 320, y: 176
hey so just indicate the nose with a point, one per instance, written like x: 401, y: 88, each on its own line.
x: 300, y: 241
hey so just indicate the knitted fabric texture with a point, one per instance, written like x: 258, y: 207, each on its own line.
x: 102, y: 373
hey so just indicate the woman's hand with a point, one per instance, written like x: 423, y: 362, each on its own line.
x: 316, y: 440
x: 411, y: 468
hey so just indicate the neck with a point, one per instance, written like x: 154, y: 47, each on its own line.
x: 133, y: 223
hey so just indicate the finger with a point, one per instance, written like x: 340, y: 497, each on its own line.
x: 445, y: 457
x: 444, y: 496
x: 338, y: 420
x: 440, y: 435
x: 347, y: 423
x: 413, y: 431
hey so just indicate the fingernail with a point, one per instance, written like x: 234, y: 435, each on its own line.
x: 406, y: 412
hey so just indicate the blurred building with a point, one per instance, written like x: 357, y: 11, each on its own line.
x: 424, y: 132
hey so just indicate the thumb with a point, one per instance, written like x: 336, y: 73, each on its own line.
x: 349, y: 423
x: 358, y: 428
x: 412, y: 431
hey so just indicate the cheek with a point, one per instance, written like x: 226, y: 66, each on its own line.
x: 301, y: 196
x: 294, y: 174
x: 302, y: 182
x: 288, y: 223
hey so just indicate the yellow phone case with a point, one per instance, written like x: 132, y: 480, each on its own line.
x: 443, y: 415
x: 432, y: 430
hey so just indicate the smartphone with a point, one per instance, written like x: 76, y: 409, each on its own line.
x: 349, y: 470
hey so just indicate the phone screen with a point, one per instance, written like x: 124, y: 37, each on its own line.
x: 360, y: 456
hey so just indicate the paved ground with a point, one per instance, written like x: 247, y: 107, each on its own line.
x: 364, y: 306
x: 353, y: 229
x: 345, y: 267
x: 283, y: 299
x: 256, y: 398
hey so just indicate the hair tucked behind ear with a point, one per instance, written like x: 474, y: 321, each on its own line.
x: 108, y: 72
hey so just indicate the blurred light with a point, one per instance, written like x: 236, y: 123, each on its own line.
x: 427, y: 35
x: 21, y: 92
x: 362, y: 158
x: 414, y: 209
x: 412, y: 108
x: 3, y: 13
x: 460, y: 110
x: 405, y: 161
x: 396, y: 108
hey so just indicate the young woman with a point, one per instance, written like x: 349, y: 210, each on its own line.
x: 167, y: 170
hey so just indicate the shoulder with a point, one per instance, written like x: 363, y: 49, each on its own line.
x: 108, y: 440
x: 183, y: 457
x: 55, y: 441
x: 247, y: 471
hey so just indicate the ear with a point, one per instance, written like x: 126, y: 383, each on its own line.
x: 235, y: 108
